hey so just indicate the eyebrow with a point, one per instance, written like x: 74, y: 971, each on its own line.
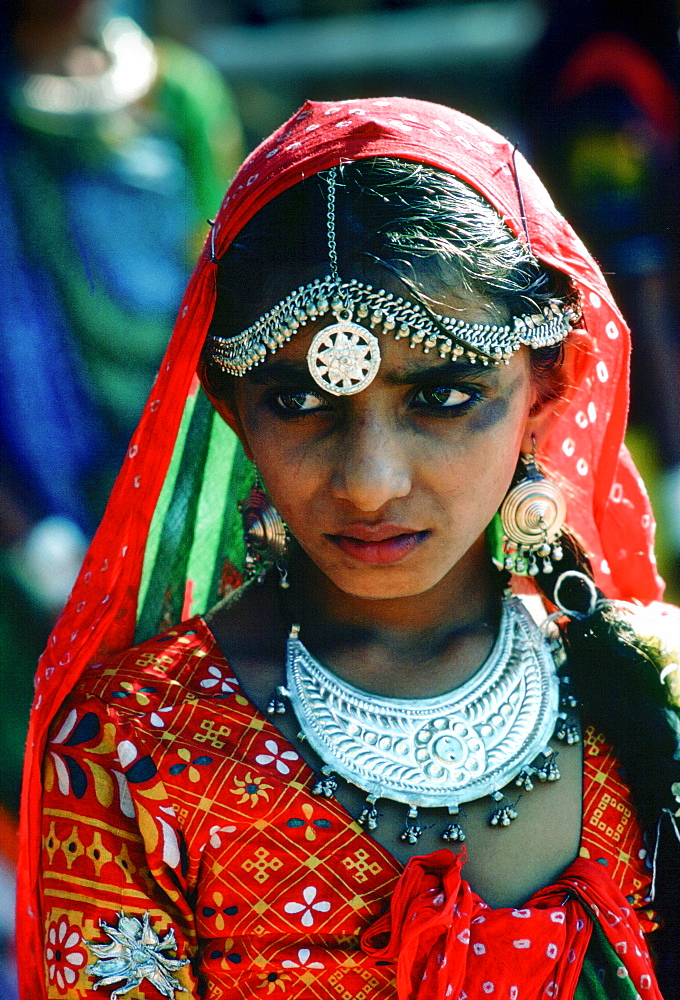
x: 296, y: 373
x: 280, y: 372
x: 448, y: 371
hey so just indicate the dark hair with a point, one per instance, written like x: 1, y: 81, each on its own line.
x: 406, y: 223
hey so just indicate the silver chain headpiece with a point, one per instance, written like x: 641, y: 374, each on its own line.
x: 344, y: 357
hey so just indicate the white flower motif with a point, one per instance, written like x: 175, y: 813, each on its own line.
x: 214, y: 835
x: 303, y: 962
x: 63, y: 953
x: 227, y: 684
x: 135, y: 954
x: 277, y: 757
x: 307, y: 908
x: 155, y: 717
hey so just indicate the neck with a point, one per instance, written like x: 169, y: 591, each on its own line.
x: 415, y: 646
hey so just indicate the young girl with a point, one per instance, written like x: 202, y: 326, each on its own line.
x: 339, y: 777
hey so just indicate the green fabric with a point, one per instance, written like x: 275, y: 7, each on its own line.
x: 196, y: 526
x: 232, y: 543
x: 213, y: 508
x: 156, y: 529
x: 197, y: 103
x: 604, y: 976
x: 164, y: 597
x: 494, y: 540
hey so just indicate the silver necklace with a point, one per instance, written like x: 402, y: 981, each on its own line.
x: 442, y: 751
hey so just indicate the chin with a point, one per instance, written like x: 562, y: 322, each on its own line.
x: 388, y: 583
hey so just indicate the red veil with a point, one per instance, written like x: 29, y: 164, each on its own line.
x: 117, y: 597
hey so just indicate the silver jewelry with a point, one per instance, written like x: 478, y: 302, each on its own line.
x: 376, y: 308
x: 135, y: 953
x: 354, y: 303
x: 264, y: 534
x: 343, y: 358
x: 435, y: 752
x: 532, y: 515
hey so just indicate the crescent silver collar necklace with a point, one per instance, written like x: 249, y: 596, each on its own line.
x: 443, y: 751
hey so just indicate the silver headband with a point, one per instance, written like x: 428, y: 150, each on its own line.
x: 344, y: 357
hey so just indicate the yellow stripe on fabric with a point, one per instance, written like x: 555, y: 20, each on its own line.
x: 100, y: 901
x: 210, y: 513
x: 156, y: 527
x: 70, y: 815
x: 87, y: 883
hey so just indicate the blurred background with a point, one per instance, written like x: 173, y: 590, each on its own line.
x: 120, y: 126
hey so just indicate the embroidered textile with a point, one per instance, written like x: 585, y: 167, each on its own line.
x: 168, y: 792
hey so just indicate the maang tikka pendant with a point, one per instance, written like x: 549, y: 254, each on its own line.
x: 344, y: 358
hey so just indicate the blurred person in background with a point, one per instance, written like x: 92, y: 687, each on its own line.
x: 114, y: 150
x: 603, y: 106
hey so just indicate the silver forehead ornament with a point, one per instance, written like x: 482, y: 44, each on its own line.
x: 344, y: 357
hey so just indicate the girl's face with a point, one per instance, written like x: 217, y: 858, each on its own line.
x: 386, y: 490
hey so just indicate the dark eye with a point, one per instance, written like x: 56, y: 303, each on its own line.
x: 299, y: 402
x: 443, y: 397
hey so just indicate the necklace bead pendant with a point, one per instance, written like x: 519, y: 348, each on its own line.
x: 566, y: 731
x: 326, y: 786
x: 369, y: 816
x: 548, y: 771
x: 277, y: 703
x: 523, y: 779
x: 454, y: 832
x: 503, y: 816
x: 413, y: 831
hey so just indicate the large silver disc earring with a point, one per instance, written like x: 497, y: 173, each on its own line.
x: 532, y: 515
x: 265, y: 535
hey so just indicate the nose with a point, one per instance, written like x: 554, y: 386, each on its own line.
x: 372, y: 466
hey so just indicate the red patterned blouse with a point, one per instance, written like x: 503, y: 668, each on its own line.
x: 184, y: 851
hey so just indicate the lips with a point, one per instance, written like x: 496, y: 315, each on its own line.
x: 378, y: 544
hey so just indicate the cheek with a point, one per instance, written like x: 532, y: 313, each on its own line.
x: 478, y: 470
x: 492, y: 415
x: 284, y: 465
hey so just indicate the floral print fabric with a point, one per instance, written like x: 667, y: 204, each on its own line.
x: 167, y: 793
